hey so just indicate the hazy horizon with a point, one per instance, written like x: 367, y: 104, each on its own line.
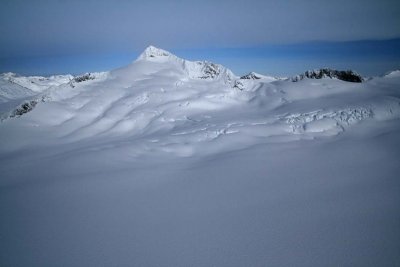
x: 368, y: 57
x: 277, y: 38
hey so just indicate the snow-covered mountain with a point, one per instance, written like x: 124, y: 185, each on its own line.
x: 174, y: 99
x: 393, y: 74
x: 170, y: 162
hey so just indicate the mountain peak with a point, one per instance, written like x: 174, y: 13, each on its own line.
x: 251, y: 76
x: 154, y: 52
x: 347, y: 76
x: 393, y: 74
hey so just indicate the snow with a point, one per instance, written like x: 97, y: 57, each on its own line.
x: 35, y: 83
x: 393, y: 74
x: 168, y: 162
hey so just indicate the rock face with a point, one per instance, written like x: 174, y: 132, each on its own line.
x: 84, y: 77
x: 24, y: 108
x: 251, y: 76
x: 347, y: 76
x: 208, y: 71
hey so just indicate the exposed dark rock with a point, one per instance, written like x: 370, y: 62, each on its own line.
x: 211, y: 70
x: 238, y: 85
x: 23, y: 108
x: 84, y: 77
x: 348, y: 75
x: 26, y: 107
x: 250, y: 76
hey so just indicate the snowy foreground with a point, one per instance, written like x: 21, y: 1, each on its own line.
x: 167, y: 162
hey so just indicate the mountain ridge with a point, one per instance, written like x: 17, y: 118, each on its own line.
x: 150, y: 64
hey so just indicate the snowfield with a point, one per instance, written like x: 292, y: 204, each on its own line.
x: 168, y: 162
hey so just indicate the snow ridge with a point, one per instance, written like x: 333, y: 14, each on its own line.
x: 393, y: 74
x: 172, y: 100
x: 203, y: 70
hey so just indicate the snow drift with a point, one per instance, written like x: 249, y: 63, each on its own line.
x: 170, y: 162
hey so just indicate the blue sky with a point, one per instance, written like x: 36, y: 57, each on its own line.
x: 272, y: 37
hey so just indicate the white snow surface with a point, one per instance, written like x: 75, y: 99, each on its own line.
x: 168, y: 162
x: 393, y: 74
x: 35, y: 83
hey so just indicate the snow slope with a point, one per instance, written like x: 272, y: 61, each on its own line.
x: 168, y: 162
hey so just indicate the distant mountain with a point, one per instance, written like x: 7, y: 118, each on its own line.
x: 20, y: 94
x: 393, y: 74
x: 170, y: 162
x: 347, y: 76
x: 193, y: 69
x: 35, y: 83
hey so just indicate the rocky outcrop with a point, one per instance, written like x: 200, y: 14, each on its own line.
x: 84, y: 77
x: 347, y: 76
x: 251, y: 76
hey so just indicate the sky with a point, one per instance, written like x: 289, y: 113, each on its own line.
x: 276, y: 37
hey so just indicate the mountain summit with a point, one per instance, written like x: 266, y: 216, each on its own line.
x: 154, y: 52
x: 204, y: 70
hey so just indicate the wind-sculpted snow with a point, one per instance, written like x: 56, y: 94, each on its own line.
x: 320, y: 121
x: 20, y: 94
x: 168, y: 162
x: 164, y: 102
